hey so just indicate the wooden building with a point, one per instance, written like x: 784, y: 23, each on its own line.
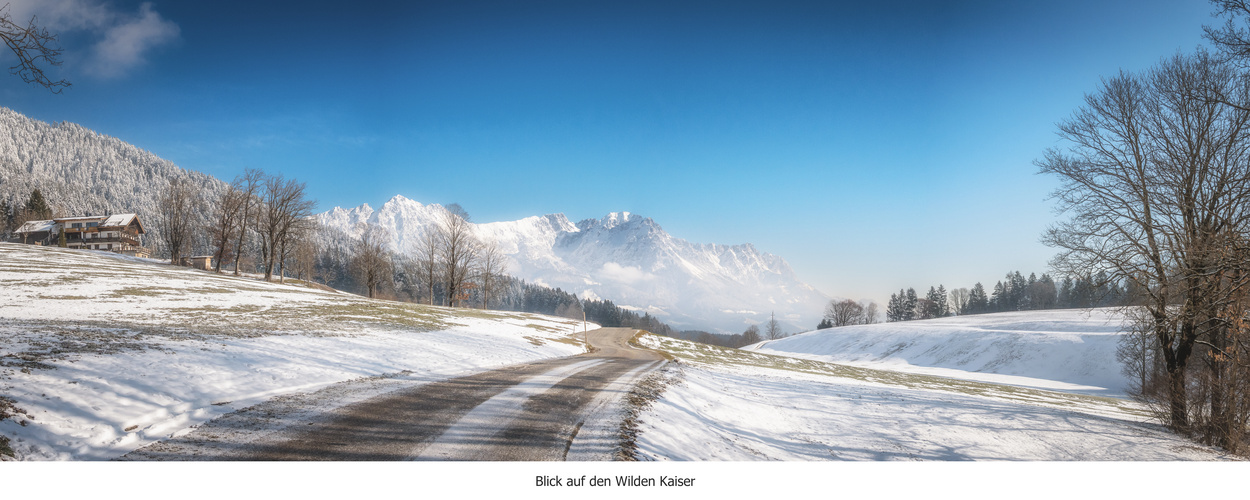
x: 120, y: 233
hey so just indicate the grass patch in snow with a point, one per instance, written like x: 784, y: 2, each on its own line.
x: 697, y: 353
x: 141, y: 292
x: 639, y: 399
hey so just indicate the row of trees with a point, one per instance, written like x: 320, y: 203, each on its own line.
x: 273, y: 209
x: 1013, y: 293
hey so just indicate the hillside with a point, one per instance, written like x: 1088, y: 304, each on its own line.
x: 81, y: 172
x: 104, y: 354
x: 1067, y: 349
x: 730, y: 404
x: 622, y: 257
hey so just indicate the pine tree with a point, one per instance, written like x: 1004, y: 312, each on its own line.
x: 1065, y: 293
x: 909, y: 305
x: 37, y: 207
x: 930, y: 305
x: 978, y: 303
x: 894, y: 309
x: 943, y: 307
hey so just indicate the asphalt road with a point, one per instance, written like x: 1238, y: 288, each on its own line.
x: 522, y: 412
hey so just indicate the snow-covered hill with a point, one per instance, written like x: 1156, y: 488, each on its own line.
x: 626, y: 258
x: 104, y: 353
x: 82, y: 172
x: 730, y: 404
x: 1072, y: 350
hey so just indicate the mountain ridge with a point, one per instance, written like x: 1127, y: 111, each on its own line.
x: 625, y: 257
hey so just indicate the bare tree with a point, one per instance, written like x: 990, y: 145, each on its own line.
x: 1157, y: 184
x: 283, y: 209
x: 751, y: 335
x: 844, y: 312
x: 490, y: 267
x: 457, y: 249
x: 247, y: 186
x: 871, y: 314
x: 772, y: 329
x: 305, y: 252
x: 959, y: 300
x: 426, y: 259
x: 178, y: 207
x: 225, y: 224
x: 34, y: 46
x: 371, y: 261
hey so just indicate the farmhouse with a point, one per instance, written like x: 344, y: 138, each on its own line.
x: 119, y: 233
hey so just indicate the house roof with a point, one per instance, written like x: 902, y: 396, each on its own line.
x: 77, y: 219
x: 118, y: 220
x: 115, y: 220
x: 36, y: 226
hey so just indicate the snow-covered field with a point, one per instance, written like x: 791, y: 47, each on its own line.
x: 1071, y: 350
x: 724, y: 404
x: 104, y: 354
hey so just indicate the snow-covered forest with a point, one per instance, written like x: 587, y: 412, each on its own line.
x: 81, y: 172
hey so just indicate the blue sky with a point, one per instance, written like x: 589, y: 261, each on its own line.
x: 874, y: 145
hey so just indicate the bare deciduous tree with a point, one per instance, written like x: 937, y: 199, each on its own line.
x: 305, y: 252
x: 959, y: 300
x: 225, y: 225
x: 1157, y: 184
x: 178, y: 208
x: 426, y: 259
x: 751, y: 335
x: 772, y: 328
x: 844, y: 312
x: 871, y: 314
x: 34, y: 46
x: 490, y: 267
x: 247, y: 186
x: 284, y: 210
x: 371, y: 261
x: 457, y: 250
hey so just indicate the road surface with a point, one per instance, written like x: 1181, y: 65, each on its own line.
x: 524, y: 412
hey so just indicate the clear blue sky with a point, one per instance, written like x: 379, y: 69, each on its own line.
x: 874, y: 145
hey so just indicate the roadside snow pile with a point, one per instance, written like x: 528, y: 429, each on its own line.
x: 734, y: 405
x: 106, y: 354
x: 1071, y: 350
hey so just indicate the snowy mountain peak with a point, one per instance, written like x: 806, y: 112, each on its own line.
x: 400, y: 199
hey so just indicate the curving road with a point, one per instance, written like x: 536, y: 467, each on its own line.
x: 522, y: 412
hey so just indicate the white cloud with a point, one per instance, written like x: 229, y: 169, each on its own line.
x: 624, y: 274
x: 120, y: 40
x: 125, y: 44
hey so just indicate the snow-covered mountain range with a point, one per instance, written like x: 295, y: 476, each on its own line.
x: 626, y: 258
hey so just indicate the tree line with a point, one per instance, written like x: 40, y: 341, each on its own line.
x: 1013, y: 293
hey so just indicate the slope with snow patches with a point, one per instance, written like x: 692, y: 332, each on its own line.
x: 623, y: 257
x: 104, y: 354
x: 1072, y: 350
x: 731, y: 404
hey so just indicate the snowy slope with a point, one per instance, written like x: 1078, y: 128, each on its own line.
x: 1070, y: 349
x: 626, y: 258
x: 724, y: 404
x: 106, y: 353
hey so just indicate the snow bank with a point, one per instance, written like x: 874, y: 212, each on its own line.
x: 1071, y: 350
